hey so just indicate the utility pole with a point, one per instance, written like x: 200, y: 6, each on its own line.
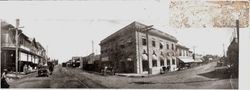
x: 194, y: 52
x: 93, y: 53
x: 224, y: 50
x: 1, y: 43
x: 16, y: 37
x: 238, y: 31
x: 47, y: 56
x: 17, y: 43
x: 92, y: 46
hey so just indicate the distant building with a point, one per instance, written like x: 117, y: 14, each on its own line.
x: 53, y: 61
x: 30, y: 52
x: 126, y: 50
x: 76, y: 61
x: 91, y: 62
x: 198, y: 57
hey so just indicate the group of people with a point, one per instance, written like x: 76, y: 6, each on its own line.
x: 108, y: 70
x: 164, y: 69
x: 27, y: 69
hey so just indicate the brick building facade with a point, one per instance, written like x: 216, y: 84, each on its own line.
x: 126, y: 50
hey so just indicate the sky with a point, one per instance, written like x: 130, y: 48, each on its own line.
x: 68, y: 28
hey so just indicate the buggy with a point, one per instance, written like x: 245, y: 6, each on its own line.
x: 43, y: 71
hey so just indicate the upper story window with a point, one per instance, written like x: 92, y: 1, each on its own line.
x: 153, y: 43
x: 144, y: 41
x: 21, y: 41
x: 5, y: 38
x: 172, y: 46
x: 161, y: 45
x: 167, y: 46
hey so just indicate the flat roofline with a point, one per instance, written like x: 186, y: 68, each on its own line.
x: 138, y: 25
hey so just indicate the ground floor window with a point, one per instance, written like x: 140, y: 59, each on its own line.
x: 154, y: 63
x: 162, y: 62
x: 145, y: 65
x: 173, y: 61
x: 168, y: 62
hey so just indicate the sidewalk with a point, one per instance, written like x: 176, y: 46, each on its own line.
x: 12, y: 76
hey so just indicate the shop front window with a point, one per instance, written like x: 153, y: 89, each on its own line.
x: 168, y: 62
x: 173, y: 61
x: 162, y: 62
x: 154, y: 63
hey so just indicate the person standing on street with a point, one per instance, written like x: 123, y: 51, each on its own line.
x: 25, y: 69
x: 51, y: 68
x: 4, y: 83
x: 105, y: 70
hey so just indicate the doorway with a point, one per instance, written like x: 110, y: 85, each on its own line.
x: 145, y: 65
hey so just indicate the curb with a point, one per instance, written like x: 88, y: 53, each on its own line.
x: 23, y: 76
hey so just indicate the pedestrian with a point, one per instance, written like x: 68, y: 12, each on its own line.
x: 51, y: 68
x: 168, y: 68
x: 161, y: 71
x: 4, y: 83
x: 29, y: 69
x: 105, y: 70
x: 25, y: 69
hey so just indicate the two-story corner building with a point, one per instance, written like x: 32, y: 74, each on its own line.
x: 126, y: 50
x: 30, y: 52
x: 183, y: 51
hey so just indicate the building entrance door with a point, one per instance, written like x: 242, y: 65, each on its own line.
x: 145, y: 65
x: 122, y: 67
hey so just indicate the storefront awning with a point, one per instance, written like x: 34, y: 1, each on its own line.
x: 154, y: 57
x: 186, y: 60
x: 162, y: 43
x: 198, y: 60
x: 144, y: 57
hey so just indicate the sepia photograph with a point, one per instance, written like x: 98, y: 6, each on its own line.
x: 124, y: 44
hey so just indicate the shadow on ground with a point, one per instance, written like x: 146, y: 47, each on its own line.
x: 218, y: 73
x: 142, y: 82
